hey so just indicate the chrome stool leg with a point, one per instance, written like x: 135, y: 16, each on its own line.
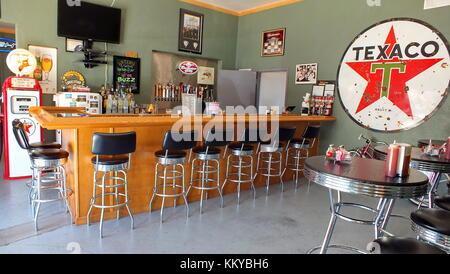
x: 127, y: 199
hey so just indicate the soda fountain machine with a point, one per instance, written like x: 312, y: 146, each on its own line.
x: 19, y: 93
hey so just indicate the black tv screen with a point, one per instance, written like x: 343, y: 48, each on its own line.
x: 89, y: 22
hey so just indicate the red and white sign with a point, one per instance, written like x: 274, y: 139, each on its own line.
x: 395, y: 75
x: 188, y: 67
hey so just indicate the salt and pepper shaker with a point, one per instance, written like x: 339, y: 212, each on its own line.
x: 447, y: 151
x: 404, y: 160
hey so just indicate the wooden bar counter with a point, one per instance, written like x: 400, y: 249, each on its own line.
x: 77, y: 131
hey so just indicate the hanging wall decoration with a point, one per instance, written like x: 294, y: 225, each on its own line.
x: 191, y: 31
x: 395, y: 75
x: 306, y: 74
x: 47, y: 67
x: 127, y: 73
x: 273, y: 42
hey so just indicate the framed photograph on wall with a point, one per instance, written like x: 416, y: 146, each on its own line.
x: 47, y: 67
x: 191, y: 31
x: 273, y: 42
x: 306, y: 74
x: 72, y: 44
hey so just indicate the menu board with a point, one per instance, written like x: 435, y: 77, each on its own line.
x: 127, y: 73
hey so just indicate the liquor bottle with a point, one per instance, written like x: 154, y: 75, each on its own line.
x: 109, y: 104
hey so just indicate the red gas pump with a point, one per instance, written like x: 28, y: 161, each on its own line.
x: 18, y: 95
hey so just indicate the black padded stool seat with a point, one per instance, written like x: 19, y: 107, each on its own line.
x: 238, y: 146
x: 172, y: 154
x: 437, y: 220
x: 211, y: 150
x: 50, y: 154
x: 402, y: 246
x: 110, y: 160
x: 443, y: 202
x: 45, y: 146
x: 300, y: 141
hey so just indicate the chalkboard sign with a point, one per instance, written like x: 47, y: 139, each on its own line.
x: 127, y: 72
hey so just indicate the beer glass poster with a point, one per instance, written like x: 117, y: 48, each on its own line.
x: 46, y: 67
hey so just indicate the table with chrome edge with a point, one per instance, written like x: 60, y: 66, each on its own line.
x: 436, y: 166
x: 361, y: 177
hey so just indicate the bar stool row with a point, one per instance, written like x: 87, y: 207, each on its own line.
x: 112, y: 160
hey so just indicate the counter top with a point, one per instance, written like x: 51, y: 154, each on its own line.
x: 72, y: 118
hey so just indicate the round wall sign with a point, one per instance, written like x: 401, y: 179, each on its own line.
x: 188, y: 67
x: 395, y: 75
x: 21, y: 62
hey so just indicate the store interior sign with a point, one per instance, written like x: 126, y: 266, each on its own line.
x: 188, y: 68
x: 431, y: 4
x: 395, y: 75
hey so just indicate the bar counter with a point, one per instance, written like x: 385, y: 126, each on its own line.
x: 77, y: 131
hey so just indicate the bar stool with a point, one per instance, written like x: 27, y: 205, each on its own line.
x: 300, y: 151
x: 170, y: 159
x: 47, y: 164
x: 112, y: 159
x: 402, y: 246
x: 241, y: 157
x: 270, y: 149
x: 432, y: 226
x: 209, y: 153
x: 443, y: 202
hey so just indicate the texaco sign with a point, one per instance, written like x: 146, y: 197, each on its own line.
x: 395, y: 75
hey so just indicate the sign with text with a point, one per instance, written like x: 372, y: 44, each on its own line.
x: 395, y: 75
x: 127, y: 73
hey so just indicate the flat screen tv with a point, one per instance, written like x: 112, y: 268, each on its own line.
x: 89, y: 22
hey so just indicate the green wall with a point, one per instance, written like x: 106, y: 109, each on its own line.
x: 320, y: 31
x: 147, y: 25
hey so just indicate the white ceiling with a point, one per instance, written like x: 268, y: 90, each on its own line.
x: 239, y: 5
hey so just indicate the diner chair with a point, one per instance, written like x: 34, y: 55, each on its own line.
x: 170, y: 167
x: 241, y: 158
x: 443, y: 202
x: 208, y: 156
x: 298, y: 151
x: 432, y: 226
x: 48, y: 172
x: 270, y: 156
x: 402, y: 246
x: 113, y: 161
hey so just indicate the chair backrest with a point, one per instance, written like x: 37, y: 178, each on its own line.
x: 182, y: 141
x: 286, y: 134
x: 20, y: 134
x: 311, y: 132
x: 250, y: 136
x: 110, y: 144
x: 218, y: 138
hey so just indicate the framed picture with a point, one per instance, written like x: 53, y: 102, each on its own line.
x: 191, y: 31
x: 127, y: 73
x: 47, y: 67
x: 72, y: 44
x: 273, y: 42
x: 205, y: 76
x: 306, y: 74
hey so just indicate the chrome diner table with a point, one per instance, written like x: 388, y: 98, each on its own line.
x: 436, y: 166
x: 361, y: 177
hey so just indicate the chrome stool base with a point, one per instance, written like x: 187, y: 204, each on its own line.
x: 204, y: 170
x: 343, y: 247
x: 268, y: 171
x: 176, y: 175
x: 44, y: 179
x: 297, y: 165
x: 244, y: 161
x: 118, y: 182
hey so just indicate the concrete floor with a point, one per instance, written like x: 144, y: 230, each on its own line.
x: 288, y: 223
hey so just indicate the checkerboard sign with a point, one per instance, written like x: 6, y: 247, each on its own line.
x: 395, y: 75
x: 273, y: 42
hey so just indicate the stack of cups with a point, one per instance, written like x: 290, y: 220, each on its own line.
x: 398, y: 160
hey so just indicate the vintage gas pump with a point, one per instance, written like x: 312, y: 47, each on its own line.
x: 19, y: 93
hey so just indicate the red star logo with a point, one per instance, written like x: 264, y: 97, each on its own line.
x: 387, y: 78
x: 27, y: 128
